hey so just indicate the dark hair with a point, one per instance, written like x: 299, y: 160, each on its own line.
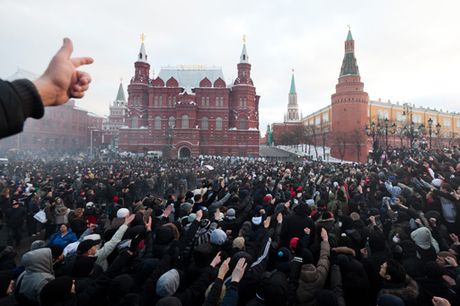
x: 396, y: 271
x: 447, y: 187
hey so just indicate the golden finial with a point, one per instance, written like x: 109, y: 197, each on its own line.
x: 142, y: 37
x: 153, y: 73
x: 349, y: 27
x: 121, y: 80
x: 244, y: 39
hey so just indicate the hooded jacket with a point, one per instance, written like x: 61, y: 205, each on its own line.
x: 39, y: 271
x: 312, y: 278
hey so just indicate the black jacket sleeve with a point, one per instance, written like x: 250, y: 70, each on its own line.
x: 18, y: 101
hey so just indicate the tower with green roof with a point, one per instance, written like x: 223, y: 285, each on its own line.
x: 292, y: 114
x: 349, y: 108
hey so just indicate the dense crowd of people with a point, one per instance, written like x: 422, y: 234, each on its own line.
x: 139, y: 231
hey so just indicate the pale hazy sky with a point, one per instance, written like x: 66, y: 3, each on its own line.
x: 407, y: 51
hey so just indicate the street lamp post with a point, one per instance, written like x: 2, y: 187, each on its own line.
x: 430, y: 124
x: 438, y: 128
x: 386, y: 133
x: 91, y: 142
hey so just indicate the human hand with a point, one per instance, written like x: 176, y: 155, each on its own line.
x: 454, y: 238
x: 167, y: 211
x: 61, y: 81
x: 148, y: 224
x: 217, y: 215
x: 324, y: 234
x: 451, y: 261
x: 267, y: 222
x: 279, y: 218
x: 449, y: 280
x: 273, y: 200
x: 438, y: 301
x: 199, y: 215
x: 129, y: 219
x: 262, y: 211
x: 228, y: 232
x: 372, y: 219
x: 287, y: 204
x: 223, y: 269
x: 215, y: 261
x: 364, y: 253
x: 239, y: 270
x: 418, y: 221
x: 433, y: 222
x: 307, y: 231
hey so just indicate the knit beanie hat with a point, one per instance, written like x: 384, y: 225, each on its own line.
x: 56, y: 290
x: 119, y: 287
x: 389, y: 300
x: 122, y: 213
x: 436, y: 182
x: 307, y: 256
x: 37, y: 244
x: 115, y: 200
x: 231, y: 213
x: 433, y: 270
x: 56, y: 250
x: 283, y: 254
x: 83, y: 267
x: 218, y: 237
x: 168, y: 283
x: 185, y: 208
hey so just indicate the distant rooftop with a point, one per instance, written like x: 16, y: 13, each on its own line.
x: 23, y: 74
x: 191, y: 75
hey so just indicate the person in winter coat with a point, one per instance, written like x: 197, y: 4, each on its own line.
x: 398, y: 283
x: 295, y: 224
x: 312, y: 279
x: 427, y: 247
x: 38, y: 272
x: 64, y: 237
x: 434, y: 285
x: 15, y: 217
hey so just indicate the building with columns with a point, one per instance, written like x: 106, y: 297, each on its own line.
x: 190, y: 110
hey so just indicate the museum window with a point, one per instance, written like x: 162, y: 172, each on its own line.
x: 161, y: 100
x: 185, y: 122
x: 171, y: 121
x: 202, y: 101
x: 169, y: 100
x: 217, y: 101
x: 204, y: 123
x: 134, y: 123
x: 221, y: 101
x: 174, y: 100
x: 207, y: 101
x: 242, y: 123
x: 245, y: 103
x: 157, y: 123
x: 219, y: 123
x: 156, y: 100
x: 241, y: 102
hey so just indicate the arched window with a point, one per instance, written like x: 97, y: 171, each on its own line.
x: 185, y: 122
x: 218, y: 123
x: 385, y: 114
x: 398, y: 116
x: 135, y: 123
x: 242, y: 123
x: 380, y: 114
x: 207, y: 101
x: 171, y: 121
x: 204, y: 123
x: 221, y: 101
x: 202, y: 101
x: 318, y: 120
x: 157, y: 123
x: 217, y: 101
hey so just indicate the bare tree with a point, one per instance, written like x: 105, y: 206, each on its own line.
x: 312, y: 131
x: 358, y: 140
x: 340, y: 139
